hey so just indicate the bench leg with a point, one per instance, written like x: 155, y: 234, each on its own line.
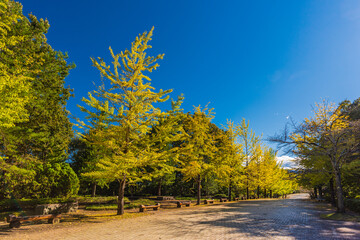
x: 54, y: 220
x: 15, y: 224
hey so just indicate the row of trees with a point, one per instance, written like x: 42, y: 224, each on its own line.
x: 128, y: 140
x: 133, y: 141
x: 327, y: 148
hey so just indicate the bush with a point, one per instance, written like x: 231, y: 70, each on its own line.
x: 353, y: 204
x: 98, y: 200
x: 22, y: 204
x: 220, y: 195
x: 48, y: 180
x: 60, y: 179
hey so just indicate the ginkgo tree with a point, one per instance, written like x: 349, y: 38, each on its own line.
x: 128, y: 100
x: 230, y: 158
x: 198, y: 148
x: 328, y: 133
x: 164, y: 135
x: 249, y: 141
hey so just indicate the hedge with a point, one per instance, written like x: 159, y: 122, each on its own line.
x: 353, y: 204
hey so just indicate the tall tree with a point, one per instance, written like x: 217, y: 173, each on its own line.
x: 14, y: 77
x: 165, y: 135
x: 37, y: 144
x: 128, y: 101
x: 198, y: 148
x: 230, y: 153
x: 249, y: 141
x: 327, y: 134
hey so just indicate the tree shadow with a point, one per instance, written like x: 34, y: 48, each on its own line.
x: 284, y: 218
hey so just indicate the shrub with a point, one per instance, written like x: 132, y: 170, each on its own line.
x: 220, y: 195
x: 353, y: 204
x: 22, y: 204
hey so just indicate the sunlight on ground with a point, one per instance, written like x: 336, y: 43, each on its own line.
x: 340, y: 217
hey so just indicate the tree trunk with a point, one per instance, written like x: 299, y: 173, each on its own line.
x: 229, y: 190
x: 320, y: 192
x: 258, y: 192
x: 247, y: 192
x: 198, y: 190
x: 265, y: 196
x: 120, y: 209
x: 339, y: 192
x: 159, y: 188
x: 315, y: 192
x: 271, y: 194
x: 332, y: 192
x: 93, y: 192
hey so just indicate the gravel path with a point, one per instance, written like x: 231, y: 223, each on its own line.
x: 293, y: 218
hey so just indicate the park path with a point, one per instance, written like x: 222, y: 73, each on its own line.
x: 293, y: 218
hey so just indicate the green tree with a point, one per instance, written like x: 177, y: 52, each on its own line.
x: 165, y: 135
x: 198, y: 148
x: 249, y: 141
x: 84, y: 157
x: 328, y: 135
x: 128, y: 102
x: 14, y: 77
x: 42, y: 131
x: 230, y: 155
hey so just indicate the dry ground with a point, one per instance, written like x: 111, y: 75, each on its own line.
x: 294, y: 218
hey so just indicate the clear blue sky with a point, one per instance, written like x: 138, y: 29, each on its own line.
x: 259, y: 60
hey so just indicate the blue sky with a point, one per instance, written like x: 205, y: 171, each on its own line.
x: 259, y: 60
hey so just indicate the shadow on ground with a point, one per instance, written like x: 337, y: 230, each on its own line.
x: 267, y: 219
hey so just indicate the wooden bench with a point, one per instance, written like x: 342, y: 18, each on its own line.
x: 208, y: 201
x: 223, y: 199
x: 236, y: 199
x: 154, y: 207
x: 180, y: 204
x: 15, y: 221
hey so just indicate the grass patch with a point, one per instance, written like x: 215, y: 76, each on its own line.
x: 132, y: 204
x: 100, y: 207
x: 341, y: 217
x: 100, y: 200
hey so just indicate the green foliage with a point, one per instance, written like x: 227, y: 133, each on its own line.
x: 37, y: 132
x: 131, y: 205
x: 199, y: 146
x: 353, y: 204
x: 325, y: 144
x: 14, y: 77
x: 24, y: 203
x: 44, y: 180
x: 126, y: 113
x: 165, y: 136
x: 85, y: 200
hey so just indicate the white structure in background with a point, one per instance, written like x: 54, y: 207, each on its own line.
x: 287, y: 162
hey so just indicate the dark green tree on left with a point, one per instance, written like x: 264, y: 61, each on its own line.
x: 34, y: 150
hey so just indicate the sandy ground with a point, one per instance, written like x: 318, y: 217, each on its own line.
x: 293, y: 218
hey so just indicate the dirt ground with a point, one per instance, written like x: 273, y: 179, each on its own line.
x: 294, y: 218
